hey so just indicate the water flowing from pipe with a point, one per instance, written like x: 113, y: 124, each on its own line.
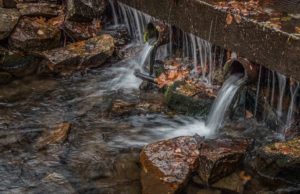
x: 223, y: 101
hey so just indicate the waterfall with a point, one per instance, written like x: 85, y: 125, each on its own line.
x: 223, y: 101
x: 114, y: 12
x: 282, y: 85
x: 135, y: 21
x: 290, y: 118
x: 257, y: 91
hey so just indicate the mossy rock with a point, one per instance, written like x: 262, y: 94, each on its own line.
x: 190, y: 105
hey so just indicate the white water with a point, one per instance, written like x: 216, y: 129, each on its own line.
x: 282, y: 85
x: 192, y: 47
x: 114, y: 12
x: 223, y: 101
x: 290, y: 116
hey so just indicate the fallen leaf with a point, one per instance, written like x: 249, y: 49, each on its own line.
x: 229, y: 19
x: 297, y: 29
x: 237, y: 18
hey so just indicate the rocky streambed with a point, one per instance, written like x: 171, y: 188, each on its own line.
x: 75, y: 119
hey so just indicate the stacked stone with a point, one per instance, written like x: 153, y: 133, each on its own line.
x: 51, y: 36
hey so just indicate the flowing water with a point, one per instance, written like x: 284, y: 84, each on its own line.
x: 114, y: 12
x: 223, y: 101
x: 111, y: 120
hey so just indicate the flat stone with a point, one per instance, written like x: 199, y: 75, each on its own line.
x: 39, y: 9
x: 279, y: 160
x: 35, y: 34
x: 8, y: 20
x: 168, y: 164
x: 55, y: 136
x: 82, y: 30
x: 220, y: 157
x: 90, y: 53
x: 85, y: 10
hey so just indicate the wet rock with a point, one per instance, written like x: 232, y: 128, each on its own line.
x: 8, y: 20
x: 280, y: 160
x: 120, y: 34
x: 85, y: 10
x: 19, y: 64
x: 82, y: 30
x: 56, y: 136
x: 167, y: 164
x: 39, y: 9
x: 5, y: 77
x: 90, y: 53
x: 191, y: 105
x: 220, y: 157
x: 232, y: 183
x: 120, y: 107
x: 8, y: 3
x: 194, y: 189
x: 35, y: 34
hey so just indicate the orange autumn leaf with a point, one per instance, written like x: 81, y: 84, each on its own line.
x: 297, y: 29
x: 229, y: 19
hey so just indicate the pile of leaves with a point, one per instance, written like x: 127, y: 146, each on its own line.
x: 173, y: 71
x: 245, y: 8
x: 194, y: 87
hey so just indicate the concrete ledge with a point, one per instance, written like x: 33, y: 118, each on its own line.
x: 276, y: 49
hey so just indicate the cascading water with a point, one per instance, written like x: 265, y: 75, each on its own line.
x: 290, y: 118
x: 282, y: 85
x: 223, y: 101
x: 114, y: 11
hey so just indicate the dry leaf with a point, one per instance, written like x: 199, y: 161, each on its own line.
x: 297, y: 29
x: 237, y: 18
x: 229, y: 19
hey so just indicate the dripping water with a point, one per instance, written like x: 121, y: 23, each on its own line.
x: 290, y: 116
x: 282, y: 85
x: 257, y: 91
x: 114, y: 12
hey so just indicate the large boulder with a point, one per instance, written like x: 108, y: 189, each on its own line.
x: 280, y: 160
x: 90, y: 53
x: 85, y: 10
x: 220, y: 157
x: 35, y: 34
x: 39, y: 9
x: 8, y: 20
x: 168, y: 164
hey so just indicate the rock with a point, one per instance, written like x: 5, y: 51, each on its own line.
x: 90, y: 53
x: 56, y: 136
x: 39, y: 9
x: 120, y: 107
x: 220, y: 157
x: 191, y: 105
x: 279, y: 160
x: 120, y: 34
x: 8, y: 20
x: 194, y: 189
x: 35, y: 34
x: 8, y: 3
x: 85, y: 10
x: 232, y: 183
x: 168, y: 164
x: 5, y: 77
x: 82, y: 30
x: 19, y: 65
